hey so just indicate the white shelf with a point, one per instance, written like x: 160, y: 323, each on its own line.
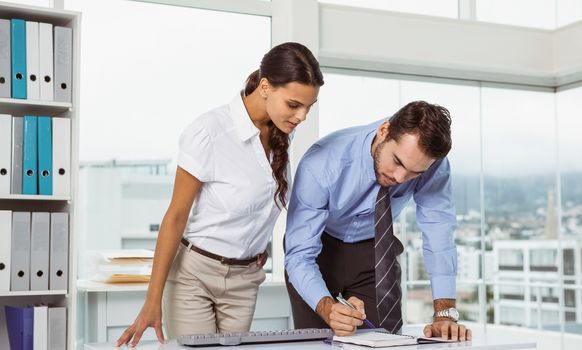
x: 31, y: 203
x: 16, y: 106
x: 34, y: 197
x: 33, y: 293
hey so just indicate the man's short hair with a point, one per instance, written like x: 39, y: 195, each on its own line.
x: 432, y: 124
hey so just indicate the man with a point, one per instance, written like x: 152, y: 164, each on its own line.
x: 339, y: 239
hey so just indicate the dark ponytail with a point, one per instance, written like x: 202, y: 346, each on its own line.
x: 283, y: 64
x: 252, y: 82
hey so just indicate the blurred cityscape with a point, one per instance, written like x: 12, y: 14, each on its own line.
x: 518, y: 278
x: 522, y: 242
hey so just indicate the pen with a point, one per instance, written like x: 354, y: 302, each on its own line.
x: 347, y: 303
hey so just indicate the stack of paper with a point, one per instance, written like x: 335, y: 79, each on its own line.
x: 380, y: 338
x: 121, y: 266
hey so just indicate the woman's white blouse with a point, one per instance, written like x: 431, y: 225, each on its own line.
x: 234, y: 212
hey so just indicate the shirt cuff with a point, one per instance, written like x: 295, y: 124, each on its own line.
x: 444, y: 287
x: 315, y: 294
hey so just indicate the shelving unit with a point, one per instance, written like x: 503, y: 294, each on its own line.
x: 37, y: 203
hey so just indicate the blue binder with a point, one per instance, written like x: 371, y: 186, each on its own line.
x: 20, y: 326
x: 45, y: 156
x: 18, y: 36
x: 30, y: 156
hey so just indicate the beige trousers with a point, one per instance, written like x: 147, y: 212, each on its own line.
x: 204, y: 296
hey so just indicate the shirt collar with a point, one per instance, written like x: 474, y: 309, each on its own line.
x: 241, y: 119
x: 367, y: 159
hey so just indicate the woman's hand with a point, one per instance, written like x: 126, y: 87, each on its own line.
x: 149, y: 316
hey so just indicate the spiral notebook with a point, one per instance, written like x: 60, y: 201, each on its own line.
x: 379, y: 338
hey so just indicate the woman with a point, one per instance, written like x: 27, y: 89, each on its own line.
x: 230, y: 185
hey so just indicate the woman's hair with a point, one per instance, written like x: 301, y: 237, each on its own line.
x: 432, y: 124
x: 285, y: 63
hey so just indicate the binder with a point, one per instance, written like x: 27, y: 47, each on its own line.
x: 63, y: 63
x: 5, y: 246
x: 18, y: 56
x: 45, y: 156
x: 19, y: 273
x: 32, y: 61
x: 46, y: 61
x: 57, y: 328
x: 40, y: 328
x: 39, y: 251
x: 59, y: 251
x: 61, y: 157
x: 5, y: 153
x: 17, y: 143
x: 5, y: 59
x: 19, y: 324
x: 30, y: 156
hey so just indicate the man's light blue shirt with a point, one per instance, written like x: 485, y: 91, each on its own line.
x: 335, y: 191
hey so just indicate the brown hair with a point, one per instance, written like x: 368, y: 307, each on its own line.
x: 432, y: 124
x: 283, y: 64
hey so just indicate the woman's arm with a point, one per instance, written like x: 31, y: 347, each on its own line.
x: 186, y: 188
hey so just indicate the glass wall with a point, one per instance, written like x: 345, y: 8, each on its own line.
x: 517, y: 235
x: 147, y: 71
x: 569, y: 107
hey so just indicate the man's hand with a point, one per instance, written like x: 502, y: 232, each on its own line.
x: 447, y: 329
x: 343, y: 320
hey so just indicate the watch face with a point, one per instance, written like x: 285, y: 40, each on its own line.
x: 454, y: 313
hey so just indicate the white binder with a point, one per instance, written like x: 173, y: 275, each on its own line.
x: 5, y: 59
x: 61, y: 157
x: 57, y: 328
x: 46, y: 61
x: 5, y: 245
x: 19, y: 273
x: 17, y: 143
x: 39, y: 251
x: 40, y: 328
x: 5, y: 153
x: 32, y: 61
x: 59, y: 251
x: 63, y: 63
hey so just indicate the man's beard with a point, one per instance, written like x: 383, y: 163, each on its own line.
x: 376, y: 158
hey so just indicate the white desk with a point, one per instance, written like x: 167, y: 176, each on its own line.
x: 480, y: 342
x: 110, y: 308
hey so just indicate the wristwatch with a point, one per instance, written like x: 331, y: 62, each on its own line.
x: 451, y: 313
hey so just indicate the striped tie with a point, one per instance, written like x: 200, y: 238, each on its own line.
x: 386, y: 249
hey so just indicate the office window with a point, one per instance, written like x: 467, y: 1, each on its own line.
x: 350, y: 100
x: 568, y: 105
x: 540, y: 13
x: 440, y: 8
x: 462, y: 101
x: 519, y: 174
x: 517, y: 141
x: 147, y: 71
